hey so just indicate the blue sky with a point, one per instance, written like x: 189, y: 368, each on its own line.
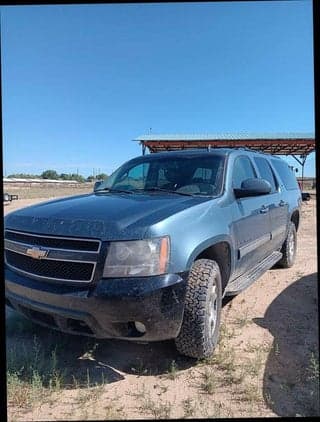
x: 79, y: 82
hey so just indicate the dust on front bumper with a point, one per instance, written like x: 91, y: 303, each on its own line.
x: 108, y: 309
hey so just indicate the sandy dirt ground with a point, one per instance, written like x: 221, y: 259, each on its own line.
x: 266, y: 363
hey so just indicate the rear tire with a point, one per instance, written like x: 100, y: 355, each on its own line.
x: 200, y: 326
x: 289, y: 248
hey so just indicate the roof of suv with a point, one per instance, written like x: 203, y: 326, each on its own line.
x: 205, y: 151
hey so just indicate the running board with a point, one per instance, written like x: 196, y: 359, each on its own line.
x: 245, y: 280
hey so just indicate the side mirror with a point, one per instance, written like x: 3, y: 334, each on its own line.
x: 253, y: 187
x: 97, y: 184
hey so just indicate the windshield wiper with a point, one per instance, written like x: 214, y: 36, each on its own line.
x: 114, y: 190
x: 156, y: 189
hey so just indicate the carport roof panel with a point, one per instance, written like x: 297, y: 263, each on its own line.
x: 274, y: 143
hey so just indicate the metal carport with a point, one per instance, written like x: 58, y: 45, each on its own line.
x: 298, y: 145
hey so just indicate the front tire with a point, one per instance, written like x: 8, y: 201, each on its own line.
x: 289, y: 248
x: 200, y: 326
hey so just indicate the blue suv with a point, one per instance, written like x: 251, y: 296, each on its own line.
x: 150, y: 254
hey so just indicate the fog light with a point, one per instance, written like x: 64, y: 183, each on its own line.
x: 140, y: 327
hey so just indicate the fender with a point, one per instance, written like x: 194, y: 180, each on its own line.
x: 211, y: 242
x: 291, y: 212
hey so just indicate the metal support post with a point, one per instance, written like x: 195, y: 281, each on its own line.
x: 302, y: 162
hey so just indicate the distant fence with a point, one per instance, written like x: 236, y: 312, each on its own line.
x: 18, y: 180
x: 308, y: 182
x: 23, y: 183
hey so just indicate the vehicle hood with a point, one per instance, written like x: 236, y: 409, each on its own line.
x: 103, y: 215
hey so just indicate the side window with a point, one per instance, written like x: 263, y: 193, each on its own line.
x: 286, y: 174
x: 242, y: 170
x: 266, y: 172
x: 134, y: 178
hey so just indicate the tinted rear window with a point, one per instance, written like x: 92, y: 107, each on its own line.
x: 286, y: 174
x: 266, y: 172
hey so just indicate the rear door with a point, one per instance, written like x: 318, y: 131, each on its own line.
x: 278, y: 207
x: 251, y: 220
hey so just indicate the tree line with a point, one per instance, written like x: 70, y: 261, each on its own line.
x: 53, y: 175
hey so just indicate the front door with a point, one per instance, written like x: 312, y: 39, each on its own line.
x: 251, y: 221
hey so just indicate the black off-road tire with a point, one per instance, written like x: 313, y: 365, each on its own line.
x: 289, y: 248
x: 199, y: 333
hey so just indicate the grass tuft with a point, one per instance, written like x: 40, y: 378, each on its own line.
x: 313, y: 368
x: 210, y: 381
x: 189, y: 408
x: 243, y: 320
x: 172, y: 372
x: 159, y: 410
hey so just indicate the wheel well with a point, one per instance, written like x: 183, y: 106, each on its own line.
x: 220, y: 252
x: 295, y: 218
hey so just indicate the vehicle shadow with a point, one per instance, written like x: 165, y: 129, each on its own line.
x: 84, y: 361
x: 291, y: 378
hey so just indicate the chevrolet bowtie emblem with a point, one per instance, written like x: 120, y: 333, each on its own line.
x: 37, y: 253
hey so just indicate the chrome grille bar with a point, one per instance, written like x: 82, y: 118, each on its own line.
x: 37, y: 255
x: 46, y: 238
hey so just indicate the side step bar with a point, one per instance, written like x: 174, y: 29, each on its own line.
x: 245, y: 280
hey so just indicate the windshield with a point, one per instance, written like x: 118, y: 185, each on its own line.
x: 195, y: 175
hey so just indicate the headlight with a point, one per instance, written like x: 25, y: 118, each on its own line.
x: 137, y: 258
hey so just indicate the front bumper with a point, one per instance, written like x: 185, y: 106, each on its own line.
x: 105, y: 310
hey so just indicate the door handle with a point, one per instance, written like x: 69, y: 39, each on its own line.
x: 282, y: 203
x: 264, y: 209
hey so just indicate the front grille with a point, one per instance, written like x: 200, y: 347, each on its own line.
x: 54, y: 242
x: 62, y: 270
x: 62, y: 259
